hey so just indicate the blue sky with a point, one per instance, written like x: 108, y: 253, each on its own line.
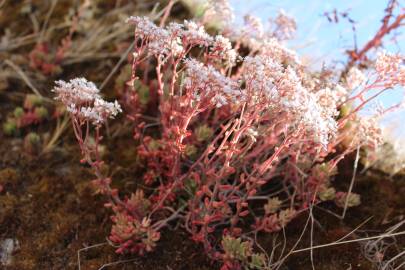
x: 326, y: 42
x: 316, y: 35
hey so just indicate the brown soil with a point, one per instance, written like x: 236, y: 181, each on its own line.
x: 48, y: 206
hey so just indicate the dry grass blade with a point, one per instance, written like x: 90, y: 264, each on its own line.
x: 23, y: 76
x: 60, y: 128
x: 350, y: 241
x: 45, y: 24
x: 356, y: 162
x: 104, y: 266
x: 87, y: 248
x: 122, y: 59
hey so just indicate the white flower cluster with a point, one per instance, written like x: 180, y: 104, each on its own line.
x: 317, y: 119
x: 144, y: 27
x: 76, y: 91
x: 284, y: 26
x: 355, y: 78
x: 390, y: 68
x: 340, y: 93
x: 219, y: 12
x: 195, y: 34
x: 173, y: 39
x: 304, y: 108
x: 82, y: 99
x: 250, y: 34
x: 159, y: 41
x: 207, y: 82
x: 222, y: 47
x: 285, y: 93
x: 368, y: 132
x: 266, y: 41
x: 260, y: 73
x: 272, y: 47
x: 253, y: 26
x: 329, y: 100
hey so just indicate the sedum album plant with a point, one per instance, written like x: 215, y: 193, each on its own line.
x: 236, y: 135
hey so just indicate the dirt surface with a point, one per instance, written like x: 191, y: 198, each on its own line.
x: 49, y: 212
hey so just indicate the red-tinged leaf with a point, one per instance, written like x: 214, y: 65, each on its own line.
x: 261, y: 182
x: 224, y: 267
x: 204, y: 188
x: 242, y: 178
x: 217, y: 204
x: 197, y: 222
x: 217, y: 217
x: 231, y: 170
x: 237, y: 231
x: 196, y: 177
x: 244, y: 213
x: 225, y: 187
x: 252, y: 192
x: 206, y: 202
x: 114, y: 192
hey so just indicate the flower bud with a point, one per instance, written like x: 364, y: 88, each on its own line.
x: 272, y: 206
x: 191, y: 151
x: 327, y: 194
x: 353, y: 199
x: 41, y: 112
x: 32, y: 101
x: 10, y: 127
x: 32, y: 143
x: 18, y: 112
